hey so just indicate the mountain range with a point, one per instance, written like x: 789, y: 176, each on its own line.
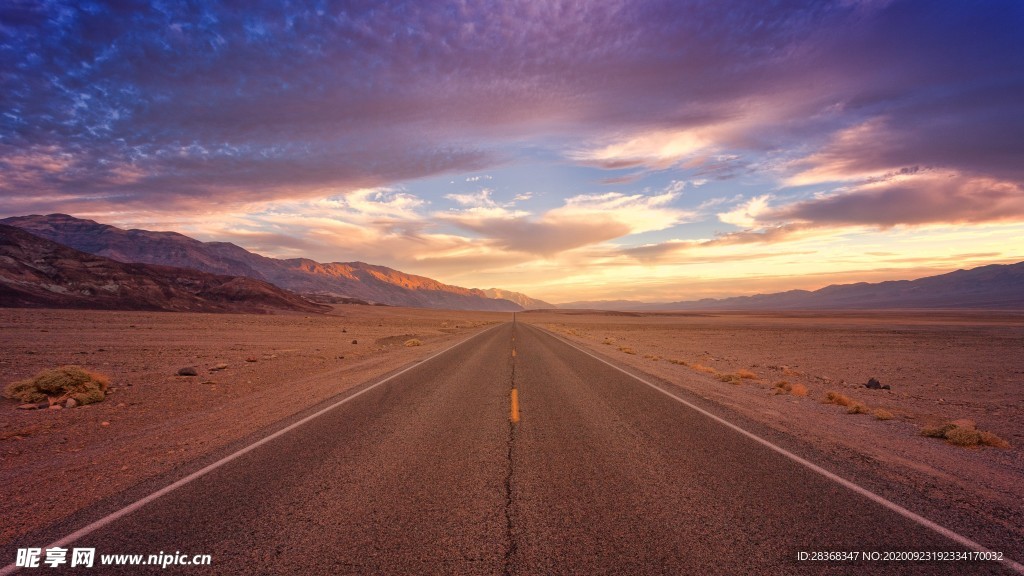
x: 35, y: 272
x: 992, y: 287
x: 378, y: 284
x: 996, y: 286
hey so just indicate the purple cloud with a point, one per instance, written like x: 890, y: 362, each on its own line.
x: 175, y: 105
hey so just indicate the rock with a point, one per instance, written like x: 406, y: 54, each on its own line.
x: 104, y: 423
x: 71, y: 403
x: 343, y: 330
x: 28, y: 407
x: 355, y: 341
x: 251, y: 359
x: 56, y: 407
x: 220, y: 366
x: 187, y: 371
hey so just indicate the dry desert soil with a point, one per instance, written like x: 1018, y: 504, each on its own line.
x: 940, y: 366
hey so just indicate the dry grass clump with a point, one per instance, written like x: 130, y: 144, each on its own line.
x: 882, y: 414
x: 679, y: 362
x: 746, y: 374
x: 852, y: 406
x: 833, y: 397
x: 627, y: 350
x: 654, y: 357
x: 413, y: 342
x: 964, y: 433
x: 857, y: 408
x: 703, y: 368
x: 729, y: 378
x: 59, y: 384
x: 608, y: 341
x: 785, y: 387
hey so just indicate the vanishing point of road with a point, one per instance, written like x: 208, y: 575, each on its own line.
x: 516, y: 453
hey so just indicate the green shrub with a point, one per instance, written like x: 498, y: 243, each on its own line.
x: 60, y: 384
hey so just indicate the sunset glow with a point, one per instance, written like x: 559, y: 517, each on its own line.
x: 654, y: 151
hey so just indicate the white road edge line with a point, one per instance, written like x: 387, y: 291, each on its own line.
x: 963, y: 540
x: 114, y: 516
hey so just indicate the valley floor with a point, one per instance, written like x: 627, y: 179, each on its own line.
x: 941, y: 367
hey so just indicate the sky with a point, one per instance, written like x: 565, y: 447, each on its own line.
x: 654, y: 151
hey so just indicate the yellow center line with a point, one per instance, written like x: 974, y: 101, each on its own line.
x: 514, y: 414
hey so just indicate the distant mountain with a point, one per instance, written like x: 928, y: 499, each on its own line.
x: 522, y: 299
x: 35, y: 272
x: 603, y: 305
x: 356, y: 280
x: 997, y: 286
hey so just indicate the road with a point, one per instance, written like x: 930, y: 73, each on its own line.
x: 436, y: 471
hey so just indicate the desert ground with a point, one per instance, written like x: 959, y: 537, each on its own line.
x: 56, y: 462
x: 941, y: 367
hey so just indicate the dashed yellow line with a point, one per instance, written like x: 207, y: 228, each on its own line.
x: 514, y: 413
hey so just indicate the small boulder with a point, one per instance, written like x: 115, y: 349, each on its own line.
x: 355, y: 341
x: 187, y: 371
x: 56, y: 407
x: 220, y: 366
x: 28, y: 406
x: 252, y: 359
x: 874, y: 384
x: 71, y: 403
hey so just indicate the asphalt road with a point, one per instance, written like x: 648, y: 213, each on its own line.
x: 436, y: 472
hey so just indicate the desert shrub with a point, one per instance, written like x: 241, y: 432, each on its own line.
x: 729, y: 378
x: 746, y: 374
x: 627, y: 350
x: 833, y: 397
x: 959, y: 436
x: 856, y: 408
x: 608, y: 341
x: 784, y: 387
x: 60, y: 384
x: 679, y: 362
x: 703, y: 368
x: 413, y: 342
x: 990, y: 439
x: 964, y: 433
x: 882, y: 414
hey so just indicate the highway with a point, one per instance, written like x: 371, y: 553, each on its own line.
x: 515, y: 453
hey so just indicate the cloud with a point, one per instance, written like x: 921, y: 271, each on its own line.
x: 746, y: 215
x: 582, y: 220
x: 232, y: 104
x: 911, y: 199
x: 657, y: 149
